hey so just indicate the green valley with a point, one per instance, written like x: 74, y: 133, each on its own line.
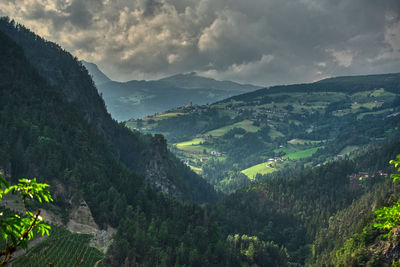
x: 294, y: 126
x: 290, y: 175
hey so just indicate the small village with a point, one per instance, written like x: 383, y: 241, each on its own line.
x: 360, y: 176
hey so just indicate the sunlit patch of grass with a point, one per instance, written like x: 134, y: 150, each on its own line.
x: 306, y: 153
x: 262, y: 168
x: 195, y: 141
x: 245, y: 124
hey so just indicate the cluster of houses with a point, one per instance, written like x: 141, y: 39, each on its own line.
x: 276, y: 159
x: 363, y: 175
x: 217, y: 154
x: 193, y: 108
x: 204, y: 159
x: 259, y: 112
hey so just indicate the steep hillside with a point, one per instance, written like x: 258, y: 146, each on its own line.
x: 235, y: 141
x: 97, y: 76
x: 44, y: 135
x: 146, y: 155
x: 137, y: 99
x: 314, y: 212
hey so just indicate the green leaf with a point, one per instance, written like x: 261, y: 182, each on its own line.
x: 3, y: 182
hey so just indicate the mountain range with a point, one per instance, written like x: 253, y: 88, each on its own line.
x: 302, y: 168
x: 137, y: 99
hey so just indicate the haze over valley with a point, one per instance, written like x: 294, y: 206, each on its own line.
x: 138, y: 99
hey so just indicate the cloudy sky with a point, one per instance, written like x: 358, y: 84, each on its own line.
x: 262, y: 42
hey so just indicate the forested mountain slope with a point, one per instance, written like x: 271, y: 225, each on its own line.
x: 98, y: 77
x: 314, y: 212
x: 146, y: 155
x: 44, y: 135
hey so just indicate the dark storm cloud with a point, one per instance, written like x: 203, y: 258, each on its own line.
x: 256, y: 41
x: 79, y: 13
x: 151, y: 8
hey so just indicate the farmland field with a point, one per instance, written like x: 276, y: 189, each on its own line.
x: 196, y: 141
x: 196, y: 169
x: 262, y: 168
x: 275, y: 134
x: 61, y: 248
x: 302, y: 153
x: 246, y: 125
x: 168, y: 115
x: 361, y: 116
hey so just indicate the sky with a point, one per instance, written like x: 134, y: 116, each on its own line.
x: 263, y: 42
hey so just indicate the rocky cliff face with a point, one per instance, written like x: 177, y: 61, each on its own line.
x: 156, y: 170
x: 81, y: 220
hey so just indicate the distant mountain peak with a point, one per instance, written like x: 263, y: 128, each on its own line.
x: 97, y: 75
x: 192, y: 80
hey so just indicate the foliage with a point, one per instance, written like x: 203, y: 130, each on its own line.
x: 17, y: 230
x: 396, y: 163
x: 389, y: 217
x: 256, y: 251
x: 296, y: 209
x: 354, y: 252
x: 351, y: 238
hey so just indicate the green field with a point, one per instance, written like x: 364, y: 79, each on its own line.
x: 262, y: 168
x: 168, y: 115
x: 361, y: 116
x: 193, y: 150
x: 193, y: 146
x: 195, y: 141
x: 62, y: 248
x: 292, y: 153
x: 275, y: 134
x: 196, y: 169
x: 302, y: 153
x: 377, y: 94
x: 367, y: 105
x: 245, y: 124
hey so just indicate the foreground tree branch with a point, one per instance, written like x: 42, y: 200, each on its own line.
x: 17, y: 230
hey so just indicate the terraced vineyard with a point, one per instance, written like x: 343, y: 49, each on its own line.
x: 61, y: 248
